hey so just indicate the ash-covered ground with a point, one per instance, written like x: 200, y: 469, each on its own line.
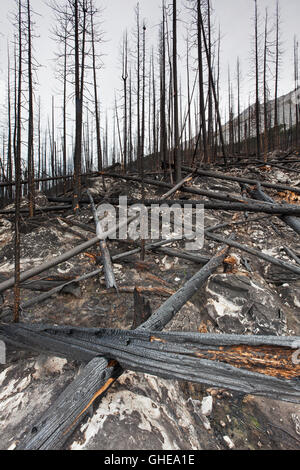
x: 247, y: 296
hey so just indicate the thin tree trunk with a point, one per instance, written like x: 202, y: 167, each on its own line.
x: 18, y: 174
x: 201, y: 33
x: 177, y: 153
x: 9, y: 140
x: 30, y: 157
x: 163, y: 129
x: 257, y: 106
x: 125, y: 77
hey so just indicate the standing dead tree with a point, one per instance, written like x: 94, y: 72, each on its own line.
x: 18, y: 150
x: 257, y: 75
x: 277, y: 65
x: 200, y: 35
x: 76, y: 28
x: 30, y: 157
x: 163, y: 123
x: 125, y: 78
x: 9, y: 123
x: 95, y: 37
x: 177, y: 153
x: 238, y: 78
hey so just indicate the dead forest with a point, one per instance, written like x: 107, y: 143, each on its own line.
x: 121, y: 343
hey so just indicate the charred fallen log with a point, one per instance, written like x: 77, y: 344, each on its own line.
x: 38, y: 210
x: 246, y: 206
x: 43, y: 434
x: 178, y: 186
x: 292, y: 254
x: 44, y: 180
x: 168, y: 310
x: 235, y: 223
x: 45, y: 285
x: 201, y: 192
x: 222, y: 176
x: 292, y: 222
x: 105, y: 255
x: 59, y: 259
x: 58, y: 422
x: 183, y: 255
x: 69, y: 285
x: 259, y: 254
x: 257, y: 365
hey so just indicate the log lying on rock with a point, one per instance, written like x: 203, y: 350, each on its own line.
x: 183, y: 255
x: 259, y: 254
x: 174, y: 304
x: 258, y: 365
x: 222, y: 176
x: 245, y: 221
x: 247, y: 205
x: 244, y: 205
x: 52, y: 436
x: 37, y: 210
x: 292, y: 222
x: 59, y: 259
x: 45, y: 285
x: 58, y: 422
x: 105, y: 255
x: 85, y: 277
x: 201, y: 192
x: 292, y: 254
x: 178, y: 186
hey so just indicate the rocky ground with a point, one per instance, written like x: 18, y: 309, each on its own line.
x: 144, y: 412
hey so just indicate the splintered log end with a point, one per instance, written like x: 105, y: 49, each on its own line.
x: 153, y: 339
x: 289, y: 197
x: 230, y: 264
x: 266, y: 167
x: 92, y: 257
x: 230, y: 260
x: 203, y: 328
x: 273, y: 361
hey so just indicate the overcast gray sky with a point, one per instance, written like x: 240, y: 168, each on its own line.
x: 234, y: 16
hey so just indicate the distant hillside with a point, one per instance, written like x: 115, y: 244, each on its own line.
x: 286, y: 114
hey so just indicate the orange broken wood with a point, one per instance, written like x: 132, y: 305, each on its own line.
x: 153, y: 339
x: 290, y: 197
x: 272, y: 361
x: 230, y: 260
x: 91, y: 256
x: 266, y: 168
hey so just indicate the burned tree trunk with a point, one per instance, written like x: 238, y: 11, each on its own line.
x: 177, y: 153
x: 293, y: 222
x: 62, y: 429
x: 30, y: 158
x: 106, y: 259
x: 16, y: 280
